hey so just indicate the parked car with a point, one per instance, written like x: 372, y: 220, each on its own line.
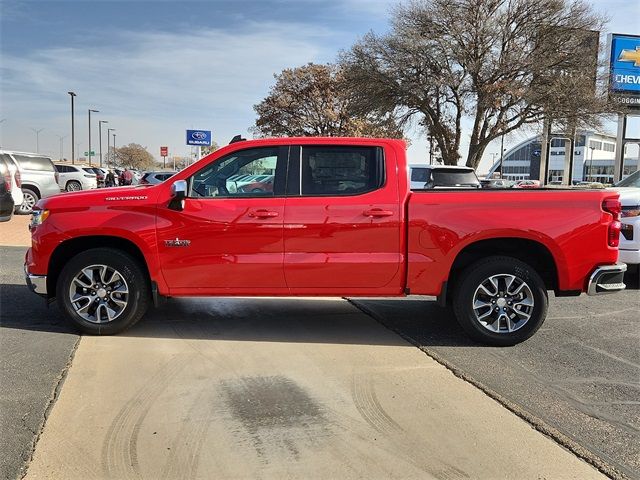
x: 527, y: 184
x: 340, y: 221
x: 629, y: 190
x: 264, y: 184
x: 496, y: 183
x: 442, y: 176
x: 6, y: 186
x: 72, y: 178
x: 39, y: 178
x: 101, y: 175
x: 153, y: 178
x: 16, y: 180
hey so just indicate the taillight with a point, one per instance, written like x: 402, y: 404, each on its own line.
x: 18, y: 178
x: 7, y: 180
x: 612, y: 206
x: 57, y: 176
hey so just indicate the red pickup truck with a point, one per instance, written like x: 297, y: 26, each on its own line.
x: 340, y: 220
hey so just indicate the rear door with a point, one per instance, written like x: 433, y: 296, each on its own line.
x: 342, y: 221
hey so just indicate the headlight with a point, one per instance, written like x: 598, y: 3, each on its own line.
x: 630, y: 211
x: 38, y: 217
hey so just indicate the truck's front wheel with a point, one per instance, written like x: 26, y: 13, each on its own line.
x: 103, y: 291
x: 500, y: 301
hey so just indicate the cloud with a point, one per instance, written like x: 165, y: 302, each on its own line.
x: 151, y: 82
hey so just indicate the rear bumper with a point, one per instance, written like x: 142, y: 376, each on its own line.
x: 607, y: 279
x: 36, y: 283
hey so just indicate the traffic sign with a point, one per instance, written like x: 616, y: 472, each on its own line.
x: 164, y: 151
x: 86, y: 154
x: 199, y: 137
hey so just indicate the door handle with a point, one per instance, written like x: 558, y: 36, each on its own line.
x: 377, y: 212
x: 263, y: 214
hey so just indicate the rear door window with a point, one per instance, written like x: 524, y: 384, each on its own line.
x: 340, y: 171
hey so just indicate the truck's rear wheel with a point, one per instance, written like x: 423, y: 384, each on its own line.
x: 500, y: 301
x: 103, y: 291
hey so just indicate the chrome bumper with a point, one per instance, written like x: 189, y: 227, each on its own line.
x: 607, y: 279
x: 36, y: 283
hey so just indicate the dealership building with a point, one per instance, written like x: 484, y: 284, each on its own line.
x: 593, y: 160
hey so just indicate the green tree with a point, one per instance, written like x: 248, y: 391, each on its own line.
x: 312, y: 101
x: 500, y: 64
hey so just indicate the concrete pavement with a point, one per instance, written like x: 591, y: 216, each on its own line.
x: 266, y: 388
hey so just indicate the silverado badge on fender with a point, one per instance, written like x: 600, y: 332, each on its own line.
x: 177, y: 243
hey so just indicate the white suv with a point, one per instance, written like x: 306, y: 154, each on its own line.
x: 73, y: 178
x: 629, y: 248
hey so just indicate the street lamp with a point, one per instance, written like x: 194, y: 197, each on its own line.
x: 73, y: 131
x: 100, y: 136
x: 61, y: 145
x: 114, y: 149
x: 37, y: 139
x: 590, y: 173
x: 89, y: 153
x: 109, y: 130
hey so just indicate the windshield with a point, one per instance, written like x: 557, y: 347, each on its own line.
x: 452, y: 178
x: 632, y: 180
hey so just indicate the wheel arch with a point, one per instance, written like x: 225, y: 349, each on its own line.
x: 70, y: 248
x: 531, y: 252
x: 32, y: 187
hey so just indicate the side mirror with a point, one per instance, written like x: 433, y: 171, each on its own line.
x: 178, y: 194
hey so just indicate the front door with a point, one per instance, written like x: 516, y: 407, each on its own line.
x: 228, y: 239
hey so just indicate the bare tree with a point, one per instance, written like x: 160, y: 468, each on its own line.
x: 134, y: 156
x: 502, y: 64
x: 312, y: 101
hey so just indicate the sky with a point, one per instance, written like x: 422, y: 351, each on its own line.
x: 154, y: 68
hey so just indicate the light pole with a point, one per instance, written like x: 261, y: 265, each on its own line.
x: 590, y: 172
x: 73, y: 131
x: 109, y: 130
x: 114, y: 149
x: 501, y: 155
x: 89, y: 152
x: 61, y: 145
x: 100, y: 137
x: 37, y: 132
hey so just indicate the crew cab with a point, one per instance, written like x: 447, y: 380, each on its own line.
x: 340, y: 220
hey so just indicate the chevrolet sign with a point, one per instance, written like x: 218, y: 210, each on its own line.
x: 624, y: 67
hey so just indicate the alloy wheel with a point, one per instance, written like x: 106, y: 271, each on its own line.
x: 503, y: 303
x: 99, y: 293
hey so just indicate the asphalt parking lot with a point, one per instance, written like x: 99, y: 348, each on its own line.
x: 576, y: 380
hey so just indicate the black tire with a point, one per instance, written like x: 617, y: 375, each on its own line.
x: 73, y: 186
x: 480, y: 272
x: 137, y: 285
x: 28, y: 203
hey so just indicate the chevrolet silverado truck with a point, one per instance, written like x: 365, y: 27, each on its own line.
x: 339, y: 220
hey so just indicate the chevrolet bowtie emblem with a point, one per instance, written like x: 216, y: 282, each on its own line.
x: 628, y: 55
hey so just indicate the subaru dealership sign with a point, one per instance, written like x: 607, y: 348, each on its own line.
x: 624, y: 67
x: 199, y: 137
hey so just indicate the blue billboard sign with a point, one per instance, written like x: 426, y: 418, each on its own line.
x: 624, y: 66
x: 199, y: 137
